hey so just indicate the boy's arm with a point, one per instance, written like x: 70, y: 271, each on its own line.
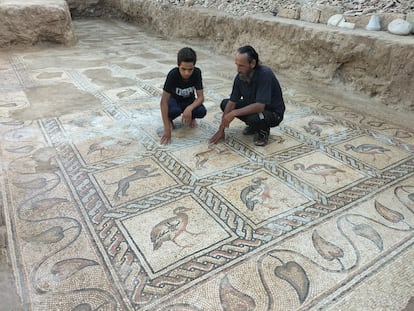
x: 187, y: 113
x: 166, y: 136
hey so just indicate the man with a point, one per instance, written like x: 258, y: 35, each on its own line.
x: 182, y: 94
x: 256, y: 99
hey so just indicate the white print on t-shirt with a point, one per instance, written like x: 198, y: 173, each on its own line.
x: 184, y: 92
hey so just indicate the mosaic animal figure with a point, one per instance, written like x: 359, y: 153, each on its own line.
x: 323, y: 170
x: 368, y: 149
x: 202, y: 157
x: 125, y: 93
x: 171, y: 228
x: 107, y: 144
x: 257, y: 192
x: 314, y: 129
x: 141, y: 171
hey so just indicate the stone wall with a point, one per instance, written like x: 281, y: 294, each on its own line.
x: 378, y: 64
x: 32, y: 21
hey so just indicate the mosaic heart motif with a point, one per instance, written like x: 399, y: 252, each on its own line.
x: 234, y: 300
x: 405, y: 195
x: 296, y: 276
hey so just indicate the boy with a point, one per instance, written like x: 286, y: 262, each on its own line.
x: 182, y: 94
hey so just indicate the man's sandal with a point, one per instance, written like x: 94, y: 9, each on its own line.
x: 261, y: 138
x: 248, y: 131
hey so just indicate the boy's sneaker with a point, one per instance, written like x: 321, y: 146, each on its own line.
x: 261, y: 138
x: 248, y: 131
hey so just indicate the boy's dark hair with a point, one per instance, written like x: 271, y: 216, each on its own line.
x: 186, y: 55
x: 251, y: 53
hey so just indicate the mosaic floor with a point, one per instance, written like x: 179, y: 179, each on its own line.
x: 100, y: 216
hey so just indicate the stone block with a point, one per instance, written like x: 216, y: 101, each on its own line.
x: 359, y: 21
x: 362, y: 21
x: 32, y: 21
x: 81, y: 5
x: 400, y: 27
x: 3, y: 237
x: 334, y: 20
x: 327, y: 12
x: 310, y: 14
x: 288, y: 13
x: 387, y: 18
x: 410, y: 18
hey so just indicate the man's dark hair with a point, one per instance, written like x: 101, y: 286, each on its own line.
x: 186, y: 55
x: 251, y: 53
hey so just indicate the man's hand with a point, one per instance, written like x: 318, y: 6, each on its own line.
x: 218, y: 136
x: 166, y: 137
x: 227, y: 119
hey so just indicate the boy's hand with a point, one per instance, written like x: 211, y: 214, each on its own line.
x: 166, y: 137
x: 187, y: 116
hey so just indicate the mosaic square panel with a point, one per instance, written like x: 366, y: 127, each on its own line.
x: 174, y: 232
x: 317, y: 126
x: 10, y: 101
x: 214, y: 115
x: 123, y: 93
x: 106, y: 78
x: 323, y: 172
x: 108, y: 147
x: 260, y: 197
x: 140, y: 109
x: 133, y: 181
x: 373, y: 152
x: 278, y: 142
x: 49, y: 76
x: 130, y: 65
x: 84, y: 125
x: 9, y: 81
x: 224, y: 91
x: 153, y: 75
x: 396, y: 134
x: 181, y: 135
x: 211, y: 82
x: 404, y: 135
x: 205, y: 159
x: 143, y: 115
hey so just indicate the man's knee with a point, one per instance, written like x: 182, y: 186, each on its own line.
x: 273, y: 119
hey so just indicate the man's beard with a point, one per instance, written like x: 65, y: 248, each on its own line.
x: 247, y: 76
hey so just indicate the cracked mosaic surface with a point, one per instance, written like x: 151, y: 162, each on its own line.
x: 102, y: 217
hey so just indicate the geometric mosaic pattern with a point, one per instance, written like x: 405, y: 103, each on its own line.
x: 101, y: 216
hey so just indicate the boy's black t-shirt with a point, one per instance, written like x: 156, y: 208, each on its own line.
x: 182, y: 89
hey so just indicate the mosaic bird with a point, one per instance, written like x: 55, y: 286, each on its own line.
x: 323, y: 170
x: 368, y: 149
x: 314, y: 129
x: 169, y: 229
x: 257, y: 192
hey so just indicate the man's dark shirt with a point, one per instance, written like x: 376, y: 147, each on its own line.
x: 263, y: 88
